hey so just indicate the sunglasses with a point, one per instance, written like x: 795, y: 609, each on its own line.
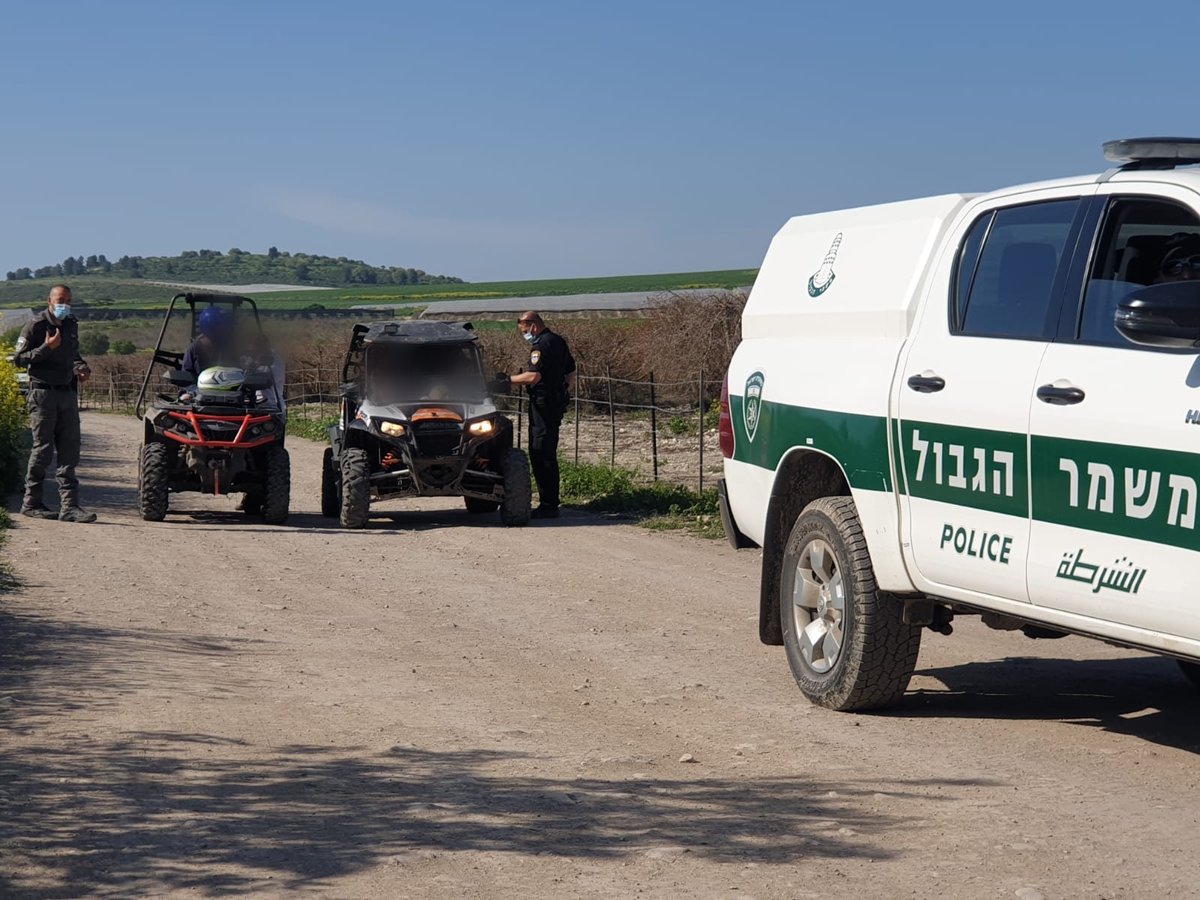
x: 1177, y: 266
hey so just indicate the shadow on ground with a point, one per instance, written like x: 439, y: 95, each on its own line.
x: 1145, y: 697
x: 144, y: 813
x: 380, y: 524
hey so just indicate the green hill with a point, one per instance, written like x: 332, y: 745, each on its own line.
x: 233, y: 267
x: 121, y: 292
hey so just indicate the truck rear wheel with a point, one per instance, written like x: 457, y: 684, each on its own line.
x: 356, y: 488
x: 847, y: 643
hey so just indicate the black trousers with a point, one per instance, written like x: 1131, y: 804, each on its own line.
x: 544, y: 422
x: 54, y: 421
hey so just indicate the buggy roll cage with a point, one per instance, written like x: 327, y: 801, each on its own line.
x: 174, y: 359
x: 354, y: 353
x: 398, y: 332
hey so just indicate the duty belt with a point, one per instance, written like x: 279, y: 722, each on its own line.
x: 42, y: 386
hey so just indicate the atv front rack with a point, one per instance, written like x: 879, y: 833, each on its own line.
x: 241, y: 441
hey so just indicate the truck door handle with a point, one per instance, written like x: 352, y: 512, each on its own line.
x: 1060, y: 396
x: 926, y: 384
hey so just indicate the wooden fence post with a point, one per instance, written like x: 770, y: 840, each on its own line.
x: 701, y: 480
x: 653, y: 426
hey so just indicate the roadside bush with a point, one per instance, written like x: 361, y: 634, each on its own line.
x: 614, y: 490
x: 12, y: 427
x: 312, y: 429
x: 93, y: 343
x: 659, y: 506
x: 126, y: 367
x: 122, y: 348
x: 679, y: 425
x: 678, y: 337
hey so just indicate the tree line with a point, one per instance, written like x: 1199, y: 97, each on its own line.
x: 236, y: 266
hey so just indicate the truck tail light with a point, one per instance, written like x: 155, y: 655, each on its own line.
x: 725, y: 423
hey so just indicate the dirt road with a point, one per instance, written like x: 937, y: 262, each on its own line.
x: 439, y: 707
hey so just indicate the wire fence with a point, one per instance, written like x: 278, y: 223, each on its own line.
x: 660, y: 431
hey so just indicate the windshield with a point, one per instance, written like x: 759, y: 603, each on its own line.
x: 401, y: 373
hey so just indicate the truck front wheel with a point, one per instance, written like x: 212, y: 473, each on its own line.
x: 846, y: 642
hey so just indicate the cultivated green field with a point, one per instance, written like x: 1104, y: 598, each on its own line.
x: 102, y: 291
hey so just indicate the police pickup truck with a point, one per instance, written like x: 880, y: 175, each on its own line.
x: 974, y: 405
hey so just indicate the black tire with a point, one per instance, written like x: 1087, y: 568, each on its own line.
x: 871, y: 664
x: 1191, y: 671
x: 356, y: 488
x: 518, y: 490
x: 331, y: 500
x: 477, y: 507
x: 154, y: 473
x: 277, y: 492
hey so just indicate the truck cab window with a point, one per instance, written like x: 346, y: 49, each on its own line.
x: 1138, y: 233
x: 1011, y: 289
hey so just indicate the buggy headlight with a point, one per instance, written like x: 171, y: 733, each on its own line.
x: 392, y: 429
x: 483, y: 426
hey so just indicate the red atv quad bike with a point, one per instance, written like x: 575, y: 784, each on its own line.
x: 221, y: 434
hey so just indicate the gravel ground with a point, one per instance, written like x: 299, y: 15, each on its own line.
x: 439, y: 707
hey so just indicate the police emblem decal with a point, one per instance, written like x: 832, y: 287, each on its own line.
x: 535, y: 357
x: 752, y: 404
x: 822, y: 278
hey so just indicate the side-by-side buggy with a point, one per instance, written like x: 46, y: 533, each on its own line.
x: 418, y: 419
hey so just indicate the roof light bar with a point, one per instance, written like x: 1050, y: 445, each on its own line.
x: 1153, y: 152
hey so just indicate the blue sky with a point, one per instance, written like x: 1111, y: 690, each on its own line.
x: 542, y: 139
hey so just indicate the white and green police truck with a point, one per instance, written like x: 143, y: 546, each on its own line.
x: 974, y: 404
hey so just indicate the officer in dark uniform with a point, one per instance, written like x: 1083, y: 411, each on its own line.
x: 548, y: 382
x: 49, y: 348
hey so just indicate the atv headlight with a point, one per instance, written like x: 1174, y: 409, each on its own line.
x: 392, y: 429
x: 482, y: 427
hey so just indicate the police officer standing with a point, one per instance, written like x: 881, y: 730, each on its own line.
x: 49, y: 348
x: 548, y: 382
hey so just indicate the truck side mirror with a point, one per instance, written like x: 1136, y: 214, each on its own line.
x: 1161, y: 315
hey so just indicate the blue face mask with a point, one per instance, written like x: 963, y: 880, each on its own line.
x: 62, y: 310
x: 529, y: 336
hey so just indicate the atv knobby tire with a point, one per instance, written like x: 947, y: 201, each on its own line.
x: 356, y: 488
x: 154, y: 470
x: 277, y: 491
x: 330, y: 500
x: 518, y: 491
x: 846, y: 641
x: 478, y: 507
x: 252, y: 502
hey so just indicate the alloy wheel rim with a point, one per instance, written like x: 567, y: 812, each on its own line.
x: 819, y: 605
